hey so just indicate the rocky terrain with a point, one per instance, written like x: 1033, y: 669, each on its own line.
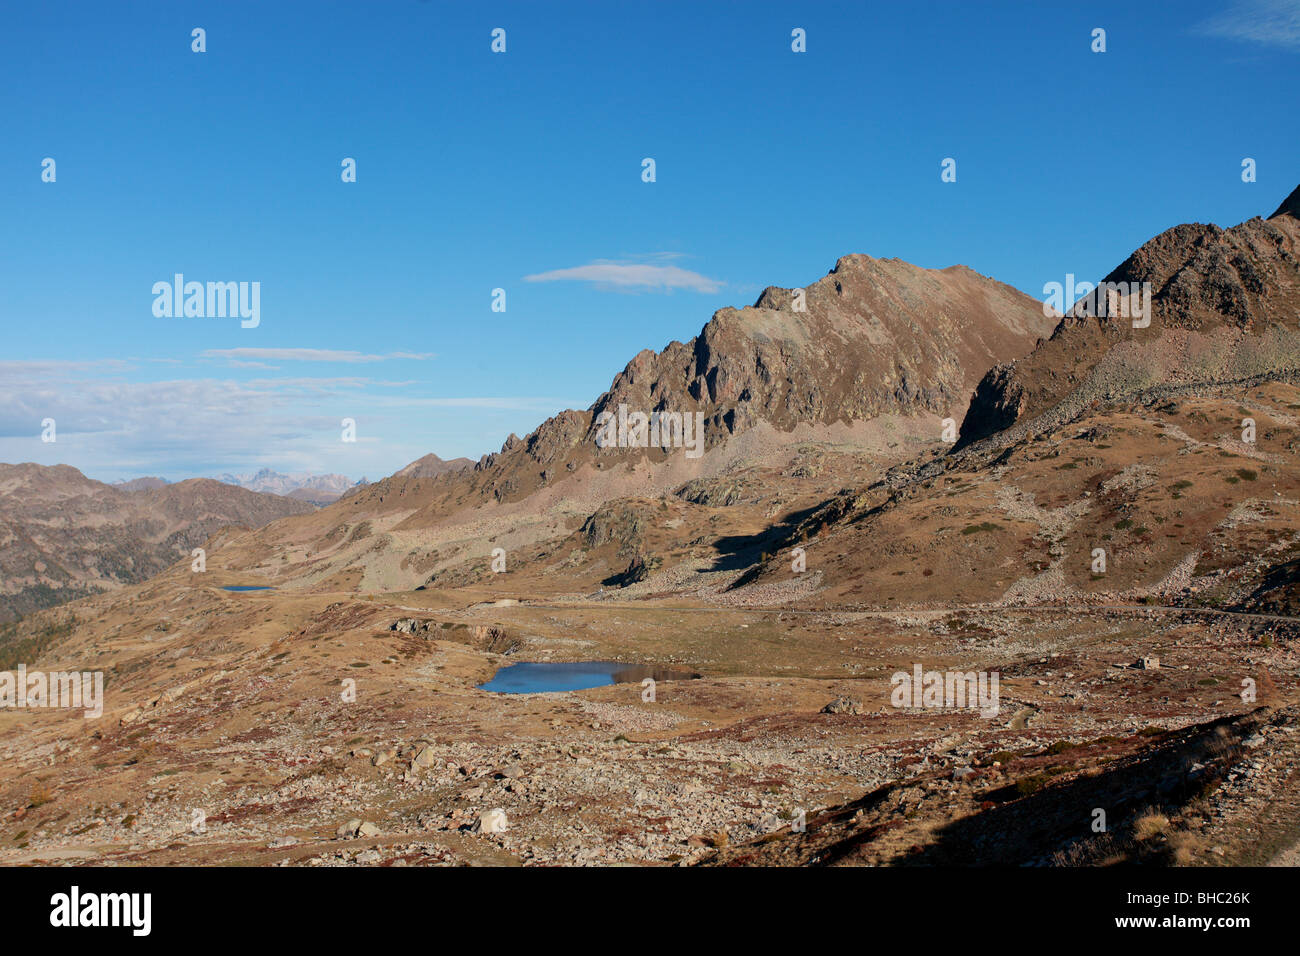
x: 1114, y: 537
x: 873, y: 338
x: 1224, y: 306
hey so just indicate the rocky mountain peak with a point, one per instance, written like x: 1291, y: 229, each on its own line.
x: 1202, y: 279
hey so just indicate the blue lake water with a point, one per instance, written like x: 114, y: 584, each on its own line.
x: 550, y: 677
x: 246, y: 587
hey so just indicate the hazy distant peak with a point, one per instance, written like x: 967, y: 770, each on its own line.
x: 141, y: 484
x: 304, y: 485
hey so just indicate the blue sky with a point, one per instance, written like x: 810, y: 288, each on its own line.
x: 522, y: 171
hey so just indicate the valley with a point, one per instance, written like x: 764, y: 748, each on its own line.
x: 1114, y: 535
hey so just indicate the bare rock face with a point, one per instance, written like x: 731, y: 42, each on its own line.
x: 873, y: 336
x: 722, y: 491
x: 1203, y: 279
x: 998, y: 403
x: 1290, y: 206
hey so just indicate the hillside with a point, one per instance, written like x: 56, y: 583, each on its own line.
x: 1225, y: 306
x: 63, y: 535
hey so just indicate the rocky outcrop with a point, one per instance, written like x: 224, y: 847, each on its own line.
x: 1203, y: 279
x: 874, y: 336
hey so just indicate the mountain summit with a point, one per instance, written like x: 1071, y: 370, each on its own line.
x: 873, y: 337
x: 1224, y: 306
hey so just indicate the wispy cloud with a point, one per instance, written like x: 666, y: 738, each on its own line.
x: 39, y: 367
x: 631, y: 275
x: 1270, y: 22
x: 523, y: 403
x: 248, y: 355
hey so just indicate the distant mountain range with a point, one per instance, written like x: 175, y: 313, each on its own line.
x: 304, y: 486
x: 63, y: 535
x: 317, y: 489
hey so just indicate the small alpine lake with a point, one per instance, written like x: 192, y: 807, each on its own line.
x: 549, y: 677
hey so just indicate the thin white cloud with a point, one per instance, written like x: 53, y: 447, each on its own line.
x: 111, y: 428
x: 60, y: 366
x: 523, y: 403
x: 1270, y: 22
x: 310, y: 355
x: 625, y: 275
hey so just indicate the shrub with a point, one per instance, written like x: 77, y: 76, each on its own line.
x: 1031, y: 784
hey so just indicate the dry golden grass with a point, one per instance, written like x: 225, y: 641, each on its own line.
x: 1186, y: 847
x: 1150, y: 824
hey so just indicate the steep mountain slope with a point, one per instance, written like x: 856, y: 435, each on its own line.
x: 873, y: 337
x: 1173, y: 449
x: 876, y: 337
x: 63, y: 535
x: 866, y: 361
x: 1182, y: 509
x: 1225, y: 306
